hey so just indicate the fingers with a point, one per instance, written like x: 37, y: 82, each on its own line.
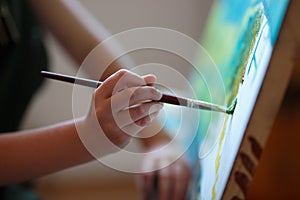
x: 138, y: 114
x: 123, y: 105
x: 132, y: 119
x: 173, y: 183
x: 165, y: 183
x: 169, y: 182
x: 148, y: 180
x: 148, y: 185
x: 172, y: 180
x: 149, y: 79
x: 134, y: 128
x: 131, y: 96
x: 124, y: 79
x: 180, y: 182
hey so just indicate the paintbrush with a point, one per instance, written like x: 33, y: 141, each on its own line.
x: 166, y: 98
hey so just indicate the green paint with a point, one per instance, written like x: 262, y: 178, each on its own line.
x: 230, y: 45
x: 230, y: 38
x: 249, y: 41
x: 231, y: 108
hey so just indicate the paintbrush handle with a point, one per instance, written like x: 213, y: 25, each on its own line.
x: 166, y: 98
x: 71, y: 79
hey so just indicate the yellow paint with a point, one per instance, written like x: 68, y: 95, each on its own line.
x: 214, y: 193
x: 241, y: 72
x: 218, y: 158
x: 237, y: 81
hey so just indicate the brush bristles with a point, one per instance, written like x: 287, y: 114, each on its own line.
x: 231, y: 108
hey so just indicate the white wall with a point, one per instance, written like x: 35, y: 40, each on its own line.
x: 53, y: 102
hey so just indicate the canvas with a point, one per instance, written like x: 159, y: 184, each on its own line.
x: 240, y: 37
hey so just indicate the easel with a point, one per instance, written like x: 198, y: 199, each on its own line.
x: 267, y: 105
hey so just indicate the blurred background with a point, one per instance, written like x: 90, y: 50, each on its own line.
x: 279, y: 169
x: 278, y: 173
x: 94, y: 180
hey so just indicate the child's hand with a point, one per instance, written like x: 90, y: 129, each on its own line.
x: 171, y: 182
x: 123, y: 105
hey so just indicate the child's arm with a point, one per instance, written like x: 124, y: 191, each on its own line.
x: 32, y: 153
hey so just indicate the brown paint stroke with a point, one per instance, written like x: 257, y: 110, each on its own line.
x: 248, y: 163
x: 243, y: 181
x: 255, y: 147
x: 236, y: 198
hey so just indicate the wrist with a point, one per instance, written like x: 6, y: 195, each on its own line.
x: 94, y: 138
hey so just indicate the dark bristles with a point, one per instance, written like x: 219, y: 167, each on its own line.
x: 231, y: 108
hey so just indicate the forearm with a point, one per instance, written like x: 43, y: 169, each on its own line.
x: 34, y: 153
x: 66, y: 23
x: 75, y: 28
